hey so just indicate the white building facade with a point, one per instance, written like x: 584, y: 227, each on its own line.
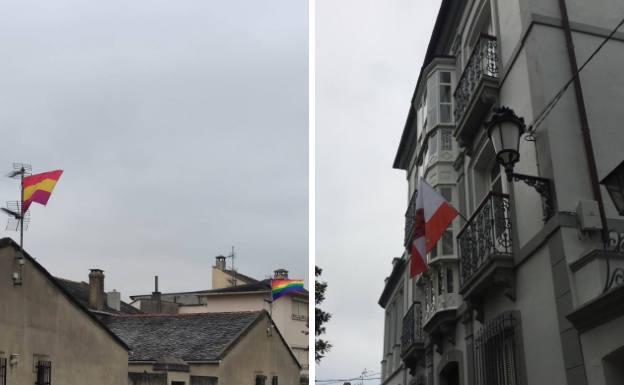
x: 521, y: 290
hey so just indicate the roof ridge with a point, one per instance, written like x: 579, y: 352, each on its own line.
x: 146, y: 315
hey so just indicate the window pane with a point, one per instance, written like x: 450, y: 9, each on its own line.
x: 447, y: 141
x: 449, y: 281
x: 440, y: 282
x: 447, y: 193
x: 445, y: 77
x: 445, y: 94
x: 447, y: 242
x: 445, y: 113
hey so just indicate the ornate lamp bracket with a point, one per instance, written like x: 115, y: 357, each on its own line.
x: 543, y: 188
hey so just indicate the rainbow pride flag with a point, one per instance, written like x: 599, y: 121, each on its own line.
x: 281, y: 287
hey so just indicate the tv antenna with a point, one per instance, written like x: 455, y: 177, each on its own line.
x: 232, y: 256
x: 18, y: 219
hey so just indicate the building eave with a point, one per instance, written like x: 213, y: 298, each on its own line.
x: 397, y: 272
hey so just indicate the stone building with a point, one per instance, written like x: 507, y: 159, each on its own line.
x: 206, y: 349
x: 523, y: 290
x: 290, y: 313
x: 46, y: 335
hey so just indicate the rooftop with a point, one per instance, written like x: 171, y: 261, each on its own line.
x: 190, y: 337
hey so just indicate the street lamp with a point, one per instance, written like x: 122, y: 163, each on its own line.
x: 505, y: 129
x: 614, y: 182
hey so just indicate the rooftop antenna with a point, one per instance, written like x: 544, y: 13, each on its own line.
x: 232, y: 256
x: 18, y: 219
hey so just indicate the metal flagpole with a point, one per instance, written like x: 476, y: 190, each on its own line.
x: 22, y: 213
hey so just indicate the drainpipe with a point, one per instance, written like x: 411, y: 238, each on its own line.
x: 580, y: 102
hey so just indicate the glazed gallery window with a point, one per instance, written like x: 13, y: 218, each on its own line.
x: 439, y: 98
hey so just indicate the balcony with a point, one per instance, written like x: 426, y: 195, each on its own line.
x: 410, y: 220
x: 413, y: 338
x: 477, y: 89
x: 440, y: 316
x: 485, y: 249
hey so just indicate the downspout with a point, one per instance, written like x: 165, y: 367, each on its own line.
x: 589, y: 149
x: 580, y: 102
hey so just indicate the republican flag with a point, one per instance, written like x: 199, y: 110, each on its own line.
x: 38, y: 188
x: 433, y: 215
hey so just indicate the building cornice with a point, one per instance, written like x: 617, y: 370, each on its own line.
x: 393, y: 280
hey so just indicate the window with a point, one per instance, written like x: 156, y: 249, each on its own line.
x: 3, y: 370
x: 449, y: 280
x: 432, y: 101
x: 440, y: 284
x: 447, y: 242
x: 432, y: 149
x: 299, y: 310
x: 446, y: 98
x: 447, y: 194
x: 447, y: 140
x: 496, y: 183
x: 260, y: 379
x: 497, y: 351
x: 274, y: 381
x: 44, y: 373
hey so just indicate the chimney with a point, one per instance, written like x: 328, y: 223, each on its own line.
x: 280, y: 274
x: 220, y: 262
x: 113, y: 300
x: 96, y: 289
x: 156, y: 296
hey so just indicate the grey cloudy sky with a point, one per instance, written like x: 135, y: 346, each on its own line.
x: 369, y: 55
x: 182, y: 128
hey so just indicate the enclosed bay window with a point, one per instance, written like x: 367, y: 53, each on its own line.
x: 440, y: 98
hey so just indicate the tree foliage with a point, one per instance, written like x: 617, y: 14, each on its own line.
x: 321, y: 345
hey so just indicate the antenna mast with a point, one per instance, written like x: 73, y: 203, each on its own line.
x: 233, y: 256
x: 17, y: 218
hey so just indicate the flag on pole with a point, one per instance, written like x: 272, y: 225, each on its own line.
x: 433, y: 216
x: 38, y: 187
x: 281, y: 287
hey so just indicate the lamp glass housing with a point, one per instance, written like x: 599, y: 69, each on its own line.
x: 505, y: 130
x: 614, y: 182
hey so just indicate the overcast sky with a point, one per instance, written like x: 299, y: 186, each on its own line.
x: 182, y: 128
x: 369, y: 55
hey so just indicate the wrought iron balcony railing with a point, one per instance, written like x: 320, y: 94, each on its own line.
x: 412, y: 328
x: 410, y: 219
x: 483, y: 63
x: 486, y: 234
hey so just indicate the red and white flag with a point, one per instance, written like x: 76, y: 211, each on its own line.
x: 433, y: 216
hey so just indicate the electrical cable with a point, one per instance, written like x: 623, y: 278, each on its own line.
x: 551, y: 104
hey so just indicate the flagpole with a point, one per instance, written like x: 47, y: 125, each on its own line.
x: 22, y: 213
